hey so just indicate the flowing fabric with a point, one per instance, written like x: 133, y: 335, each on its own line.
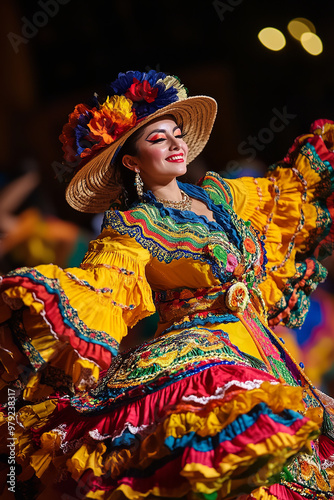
x: 213, y: 406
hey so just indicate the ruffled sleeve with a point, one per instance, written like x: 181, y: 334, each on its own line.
x: 60, y: 327
x: 292, y: 209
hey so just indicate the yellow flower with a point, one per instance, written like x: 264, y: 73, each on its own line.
x: 118, y: 104
x: 114, y: 117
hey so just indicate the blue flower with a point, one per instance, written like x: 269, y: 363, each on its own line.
x: 81, y: 132
x: 147, y: 105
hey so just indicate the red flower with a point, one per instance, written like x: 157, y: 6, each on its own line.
x: 141, y: 91
x: 67, y: 136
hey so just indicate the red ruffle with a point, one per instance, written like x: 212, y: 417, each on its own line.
x: 53, y: 316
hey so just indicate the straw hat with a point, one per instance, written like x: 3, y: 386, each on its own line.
x: 94, y: 135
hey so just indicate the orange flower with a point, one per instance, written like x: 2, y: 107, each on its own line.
x: 113, y: 119
x: 249, y: 245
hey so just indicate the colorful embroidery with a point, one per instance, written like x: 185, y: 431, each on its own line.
x: 170, y: 238
x: 16, y: 325
x: 193, y: 306
x: 161, y: 236
x: 218, y: 190
x: 306, y: 471
x: 161, y: 362
x: 167, y: 240
x: 294, y: 304
x: 68, y: 313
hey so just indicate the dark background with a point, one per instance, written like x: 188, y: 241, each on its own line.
x: 82, y: 47
x: 85, y: 44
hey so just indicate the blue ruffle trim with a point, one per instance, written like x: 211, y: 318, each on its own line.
x: 222, y: 221
x: 239, y: 426
x: 207, y: 443
x: 215, y: 319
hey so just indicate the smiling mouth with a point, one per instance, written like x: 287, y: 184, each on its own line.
x: 175, y: 158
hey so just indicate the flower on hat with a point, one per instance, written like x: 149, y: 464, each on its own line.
x: 90, y: 129
x: 148, y: 91
x: 132, y: 97
x: 74, y: 131
x: 124, y: 80
x: 108, y: 123
x: 141, y: 91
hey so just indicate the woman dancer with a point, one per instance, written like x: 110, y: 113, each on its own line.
x: 213, y: 406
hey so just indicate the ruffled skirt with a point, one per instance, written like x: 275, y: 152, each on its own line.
x: 180, y: 416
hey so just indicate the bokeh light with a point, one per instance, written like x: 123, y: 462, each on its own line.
x: 272, y: 38
x: 311, y: 43
x: 300, y: 25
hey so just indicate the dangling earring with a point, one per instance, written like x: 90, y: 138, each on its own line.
x: 139, y: 186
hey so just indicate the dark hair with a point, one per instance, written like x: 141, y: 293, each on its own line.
x: 124, y: 176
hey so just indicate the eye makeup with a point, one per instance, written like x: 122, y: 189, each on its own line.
x: 156, y: 136
x: 160, y: 134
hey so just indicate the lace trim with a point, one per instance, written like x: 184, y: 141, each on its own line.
x: 72, y: 446
x: 95, y: 434
x: 328, y: 464
x: 221, y: 391
x: 133, y: 430
x: 67, y: 446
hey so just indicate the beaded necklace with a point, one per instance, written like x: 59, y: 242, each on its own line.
x: 184, y: 204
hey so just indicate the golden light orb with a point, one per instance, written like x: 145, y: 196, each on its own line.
x: 311, y: 43
x: 300, y: 25
x: 272, y: 38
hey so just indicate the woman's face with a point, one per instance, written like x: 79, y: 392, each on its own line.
x: 161, y: 153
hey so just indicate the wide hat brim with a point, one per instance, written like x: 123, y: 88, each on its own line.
x: 93, y: 188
